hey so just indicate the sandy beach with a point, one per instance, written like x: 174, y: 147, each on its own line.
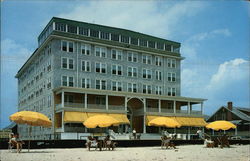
x: 183, y: 153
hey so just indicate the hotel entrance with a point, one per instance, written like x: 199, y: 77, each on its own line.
x: 135, y: 114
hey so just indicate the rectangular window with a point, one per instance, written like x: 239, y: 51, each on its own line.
x: 146, y: 73
x: 171, y: 91
x: 171, y: 63
x: 134, y: 41
x: 83, y: 31
x: 171, y: 77
x: 67, y: 63
x: 158, y: 90
x: 94, y: 33
x: 116, y: 54
x: 168, y: 47
x: 100, y: 52
x: 151, y: 44
x: 176, y: 49
x: 85, y: 83
x: 134, y: 88
x: 129, y: 87
x: 143, y: 42
x: 104, y: 35
x: 67, y: 46
x: 71, y: 81
x: 124, y: 39
x: 147, y: 89
x: 72, y: 29
x: 114, y: 37
x: 160, y: 46
x: 85, y: 49
x: 158, y: 61
x: 85, y: 66
x: 132, y: 57
x: 116, y: 86
x: 101, y: 84
x: 146, y: 59
x: 100, y: 68
x: 60, y: 27
x: 158, y: 75
x: 116, y: 69
x: 67, y: 81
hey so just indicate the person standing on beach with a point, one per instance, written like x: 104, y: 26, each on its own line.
x: 134, y: 133
x: 200, y: 134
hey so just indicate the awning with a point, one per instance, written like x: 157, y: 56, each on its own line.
x: 184, y: 121
x: 95, y: 113
x: 76, y: 117
x: 122, y: 118
x: 191, y: 121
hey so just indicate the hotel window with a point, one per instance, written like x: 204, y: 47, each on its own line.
x: 146, y: 73
x: 100, y: 84
x: 83, y: 31
x: 100, y: 68
x: 158, y: 61
x: 146, y: 59
x: 67, y: 63
x: 116, y: 69
x: 132, y: 87
x: 116, y: 54
x: 158, y: 90
x: 160, y: 46
x: 100, y: 52
x: 94, y: 33
x: 171, y: 77
x: 176, y: 49
x: 100, y: 100
x: 171, y: 91
x: 132, y: 57
x: 104, y: 35
x: 116, y: 86
x: 124, y: 39
x: 151, y: 44
x: 114, y: 37
x: 168, y: 47
x: 158, y: 75
x: 171, y: 63
x: 85, y: 83
x: 147, y: 89
x: 143, y: 42
x: 67, y: 46
x: 49, y: 83
x: 72, y: 29
x: 134, y: 41
x: 60, y: 27
x: 86, y: 66
x: 67, y: 81
x: 132, y: 72
x: 85, y: 49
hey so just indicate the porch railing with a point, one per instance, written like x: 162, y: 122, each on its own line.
x: 90, y: 106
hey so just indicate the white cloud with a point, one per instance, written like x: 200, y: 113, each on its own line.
x: 141, y: 16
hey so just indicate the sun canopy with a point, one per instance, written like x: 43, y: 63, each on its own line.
x: 30, y: 118
x: 220, y: 125
x: 183, y: 121
x: 100, y: 121
x: 164, y: 122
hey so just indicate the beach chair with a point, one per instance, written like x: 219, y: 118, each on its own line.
x: 208, y: 143
x: 93, y: 143
x: 167, y: 142
x: 223, y: 140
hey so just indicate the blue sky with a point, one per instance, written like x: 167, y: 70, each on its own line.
x: 214, y: 37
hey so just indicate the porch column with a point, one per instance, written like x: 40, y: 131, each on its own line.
x: 62, y: 99
x: 54, y: 26
x: 62, y: 121
x: 236, y: 132
x: 159, y: 105
x: 202, y: 108
x: 107, y: 102
x: 126, y: 103
x: 144, y: 117
x: 174, y: 106
x: 85, y: 100
x: 188, y: 107
x: 189, y: 133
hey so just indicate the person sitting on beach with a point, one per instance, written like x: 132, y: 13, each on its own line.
x: 167, y: 141
x: 14, y: 142
x: 208, y: 143
x: 200, y: 134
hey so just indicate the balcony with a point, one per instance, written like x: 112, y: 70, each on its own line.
x: 90, y: 106
x: 171, y: 111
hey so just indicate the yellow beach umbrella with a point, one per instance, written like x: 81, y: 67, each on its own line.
x: 164, y: 121
x: 220, y: 125
x: 100, y: 121
x: 30, y: 118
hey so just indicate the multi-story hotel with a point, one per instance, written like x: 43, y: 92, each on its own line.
x: 81, y: 69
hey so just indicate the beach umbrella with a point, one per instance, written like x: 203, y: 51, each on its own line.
x: 30, y: 118
x: 220, y: 125
x: 100, y: 121
x: 165, y: 122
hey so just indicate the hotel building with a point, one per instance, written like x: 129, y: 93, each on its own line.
x: 81, y: 69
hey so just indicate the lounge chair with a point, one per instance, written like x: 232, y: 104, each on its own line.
x: 93, y: 143
x: 223, y: 140
x: 167, y: 142
x: 109, y: 144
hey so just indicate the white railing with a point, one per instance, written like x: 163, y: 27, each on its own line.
x: 152, y: 109
x: 91, y: 106
x: 167, y: 110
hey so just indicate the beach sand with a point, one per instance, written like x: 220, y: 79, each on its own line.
x: 183, y: 153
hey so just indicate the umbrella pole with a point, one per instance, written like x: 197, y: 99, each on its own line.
x: 29, y: 139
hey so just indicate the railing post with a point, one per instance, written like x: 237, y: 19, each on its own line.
x: 107, y: 102
x: 144, y: 117
x: 159, y: 105
x: 85, y: 101
x: 62, y: 100
x: 126, y: 103
x: 174, y: 106
x: 188, y: 107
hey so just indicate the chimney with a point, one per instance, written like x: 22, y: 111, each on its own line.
x: 229, y: 114
x: 230, y: 105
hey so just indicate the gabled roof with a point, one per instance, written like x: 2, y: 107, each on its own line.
x: 12, y: 125
x: 236, y: 111
x: 243, y: 109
